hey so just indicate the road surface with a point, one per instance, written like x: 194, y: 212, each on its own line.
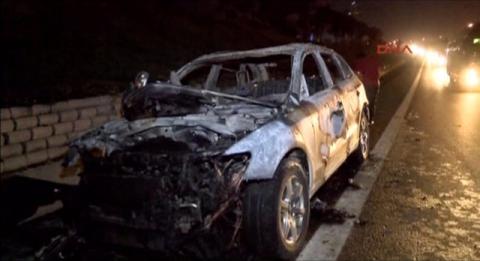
x: 425, y: 203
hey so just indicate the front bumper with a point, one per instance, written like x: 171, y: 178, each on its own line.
x: 162, y: 203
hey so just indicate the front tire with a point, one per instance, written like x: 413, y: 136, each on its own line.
x: 277, y: 212
x: 363, y: 149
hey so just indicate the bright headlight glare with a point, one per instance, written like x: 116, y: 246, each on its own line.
x: 471, y: 77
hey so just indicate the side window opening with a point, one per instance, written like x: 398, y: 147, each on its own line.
x: 197, y: 78
x: 312, y: 75
x: 227, y: 78
x: 345, y: 67
x: 333, y: 68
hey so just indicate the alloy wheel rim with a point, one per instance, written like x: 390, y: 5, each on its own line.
x: 292, y: 210
x: 364, y: 137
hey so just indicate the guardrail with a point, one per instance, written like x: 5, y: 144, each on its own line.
x: 32, y: 136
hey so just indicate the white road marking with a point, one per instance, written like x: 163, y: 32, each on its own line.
x: 328, y: 240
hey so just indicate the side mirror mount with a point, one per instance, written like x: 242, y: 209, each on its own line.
x: 174, y: 78
x: 304, y: 93
x: 141, y: 80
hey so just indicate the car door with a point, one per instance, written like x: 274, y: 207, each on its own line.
x: 351, y: 92
x: 316, y: 79
x: 337, y: 119
x: 313, y: 81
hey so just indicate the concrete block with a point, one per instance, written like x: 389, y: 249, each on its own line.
x: 7, y: 126
x: 36, y: 157
x: 14, y: 163
x: 74, y: 135
x: 77, y: 103
x: 48, y: 119
x: 104, y: 110
x: 11, y: 150
x: 18, y: 112
x: 57, y: 140
x: 34, y: 145
x: 42, y: 132
x: 81, y: 125
x: 99, y: 120
x: 98, y: 100
x: 117, y: 108
x: 61, y: 106
x: 88, y: 113
x: 5, y: 114
x: 113, y: 117
x: 57, y: 152
x: 18, y: 136
x: 26, y: 123
x: 38, y: 109
x: 61, y: 128
x: 66, y: 116
x: 117, y: 100
x: 105, y: 99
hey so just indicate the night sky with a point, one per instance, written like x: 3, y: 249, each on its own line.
x: 412, y: 20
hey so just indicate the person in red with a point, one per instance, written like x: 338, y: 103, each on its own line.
x: 367, y: 68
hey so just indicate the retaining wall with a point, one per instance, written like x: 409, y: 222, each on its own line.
x: 35, y: 135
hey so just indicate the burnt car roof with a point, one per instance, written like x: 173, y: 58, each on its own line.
x: 288, y: 49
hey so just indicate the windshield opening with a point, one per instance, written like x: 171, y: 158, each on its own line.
x: 264, y: 79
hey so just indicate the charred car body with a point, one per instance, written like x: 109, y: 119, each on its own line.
x: 232, y: 146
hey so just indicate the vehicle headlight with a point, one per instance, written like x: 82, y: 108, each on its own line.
x: 471, y: 77
x: 233, y: 168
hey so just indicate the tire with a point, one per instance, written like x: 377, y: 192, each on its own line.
x: 363, y: 149
x: 264, y: 212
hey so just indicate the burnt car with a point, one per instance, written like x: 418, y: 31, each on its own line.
x: 230, y: 149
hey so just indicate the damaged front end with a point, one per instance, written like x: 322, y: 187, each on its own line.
x: 164, y: 183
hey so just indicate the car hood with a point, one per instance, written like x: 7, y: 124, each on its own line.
x: 165, y: 99
x: 209, y: 132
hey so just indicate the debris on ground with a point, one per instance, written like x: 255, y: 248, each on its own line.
x: 412, y: 116
x: 328, y: 214
x: 353, y: 184
x: 360, y: 222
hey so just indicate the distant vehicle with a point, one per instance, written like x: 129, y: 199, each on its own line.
x: 234, y: 145
x: 463, y: 62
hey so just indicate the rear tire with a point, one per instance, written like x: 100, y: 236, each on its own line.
x: 277, y: 212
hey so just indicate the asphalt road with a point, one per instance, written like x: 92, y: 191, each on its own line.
x: 425, y: 203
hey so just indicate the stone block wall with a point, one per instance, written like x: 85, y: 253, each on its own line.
x: 34, y: 135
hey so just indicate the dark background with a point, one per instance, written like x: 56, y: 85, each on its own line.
x: 68, y: 49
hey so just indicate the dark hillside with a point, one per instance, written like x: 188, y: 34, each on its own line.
x: 66, y: 49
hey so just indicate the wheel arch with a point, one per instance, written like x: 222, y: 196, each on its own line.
x: 304, y: 160
x: 366, y: 109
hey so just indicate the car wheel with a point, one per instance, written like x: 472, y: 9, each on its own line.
x: 277, y: 212
x: 361, y: 153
